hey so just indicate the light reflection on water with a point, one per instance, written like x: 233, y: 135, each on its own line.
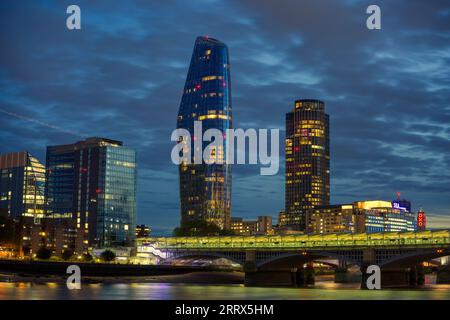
x: 154, y: 291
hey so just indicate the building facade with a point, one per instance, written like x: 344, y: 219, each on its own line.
x: 93, y: 182
x: 263, y: 225
x: 307, y: 149
x: 237, y: 226
x: 290, y: 221
x: 143, y: 231
x: 243, y: 227
x: 205, y: 189
x: 22, y: 185
x: 335, y: 219
x: 359, y: 217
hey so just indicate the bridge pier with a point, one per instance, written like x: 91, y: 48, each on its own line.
x: 289, y: 277
x: 261, y: 278
x: 443, y: 274
x: 416, y: 276
x: 396, y: 277
x: 285, y: 277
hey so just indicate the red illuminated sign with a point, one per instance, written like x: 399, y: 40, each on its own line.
x: 421, y: 220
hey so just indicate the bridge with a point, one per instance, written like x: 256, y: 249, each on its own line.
x: 281, y: 258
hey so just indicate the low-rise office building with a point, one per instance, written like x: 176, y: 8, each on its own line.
x: 263, y: 225
x: 358, y: 217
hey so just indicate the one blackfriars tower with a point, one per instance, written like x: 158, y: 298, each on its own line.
x: 205, y: 189
x: 307, y: 161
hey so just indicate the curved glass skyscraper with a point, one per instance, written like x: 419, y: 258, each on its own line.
x: 205, y: 189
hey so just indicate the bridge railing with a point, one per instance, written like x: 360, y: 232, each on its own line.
x: 344, y: 241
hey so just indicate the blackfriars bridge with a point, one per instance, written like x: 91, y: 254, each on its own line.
x: 281, y: 259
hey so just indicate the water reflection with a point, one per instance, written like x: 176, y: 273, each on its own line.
x: 322, y: 290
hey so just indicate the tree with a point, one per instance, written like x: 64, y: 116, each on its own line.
x: 7, y: 230
x: 43, y: 253
x: 67, y: 254
x: 87, y: 257
x: 200, y: 228
x: 108, y: 255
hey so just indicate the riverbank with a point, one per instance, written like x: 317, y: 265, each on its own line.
x: 206, y: 277
x: 44, y: 268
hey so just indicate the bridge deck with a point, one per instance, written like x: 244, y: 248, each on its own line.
x: 439, y: 238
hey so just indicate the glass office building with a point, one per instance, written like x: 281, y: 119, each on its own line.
x: 205, y: 189
x: 22, y: 185
x: 307, y: 150
x: 94, y: 182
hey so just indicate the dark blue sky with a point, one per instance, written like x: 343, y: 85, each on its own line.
x: 122, y: 76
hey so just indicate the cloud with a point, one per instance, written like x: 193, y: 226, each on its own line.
x: 122, y: 77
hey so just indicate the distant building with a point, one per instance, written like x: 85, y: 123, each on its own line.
x: 334, y: 219
x: 142, y: 231
x: 386, y: 218
x: 22, y: 185
x: 58, y: 236
x: 358, y: 217
x: 264, y: 225
x: 93, y: 182
x: 250, y: 227
x: 307, y: 176
x: 291, y: 221
x: 237, y: 225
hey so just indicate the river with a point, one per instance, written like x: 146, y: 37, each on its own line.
x: 154, y: 291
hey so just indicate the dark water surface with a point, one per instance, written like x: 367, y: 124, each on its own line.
x: 323, y: 290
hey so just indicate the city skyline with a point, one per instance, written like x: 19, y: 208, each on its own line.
x: 389, y: 149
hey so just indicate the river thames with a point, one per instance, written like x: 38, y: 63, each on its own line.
x: 170, y: 291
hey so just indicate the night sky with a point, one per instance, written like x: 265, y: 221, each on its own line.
x: 387, y: 91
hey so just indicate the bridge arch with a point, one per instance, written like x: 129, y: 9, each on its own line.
x: 207, y: 255
x: 295, y: 259
x: 413, y: 257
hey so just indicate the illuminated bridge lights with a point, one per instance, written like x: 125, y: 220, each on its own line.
x: 304, y: 242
